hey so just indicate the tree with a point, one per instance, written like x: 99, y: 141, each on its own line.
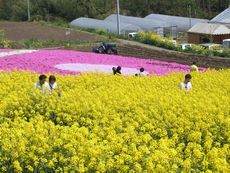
x: 71, y: 9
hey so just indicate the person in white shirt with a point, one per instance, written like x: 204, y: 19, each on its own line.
x: 42, y: 84
x: 141, y: 73
x: 186, y: 84
x: 194, y: 67
x: 53, y: 85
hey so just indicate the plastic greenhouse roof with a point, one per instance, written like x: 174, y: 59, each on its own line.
x: 223, y: 17
x: 105, y: 25
x: 145, y: 24
x: 210, y: 28
x: 182, y: 23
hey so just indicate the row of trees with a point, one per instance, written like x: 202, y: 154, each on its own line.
x: 71, y: 9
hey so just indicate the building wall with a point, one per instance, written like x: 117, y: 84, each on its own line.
x: 201, y: 38
x: 193, y: 38
x: 219, y: 38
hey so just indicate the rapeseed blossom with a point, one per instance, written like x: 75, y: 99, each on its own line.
x: 106, y: 123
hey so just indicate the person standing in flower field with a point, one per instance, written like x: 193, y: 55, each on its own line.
x: 116, y: 70
x: 54, y: 85
x: 42, y: 84
x: 141, y: 73
x: 186, y: 84
x: 194, y: 67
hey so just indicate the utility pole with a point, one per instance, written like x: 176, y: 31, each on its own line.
x: 118, y: 18
x: 28, y: 9
x: 190, y: 16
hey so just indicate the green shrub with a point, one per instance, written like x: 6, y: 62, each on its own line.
x: 221, y: 53
x: 33, y: 43
x: 2, y: 34
x: 38, y: 44
x: 156, y: 40
x: 198, y: 49
x: 101, y: 31
x: 110, y: 35
x: 5, y: 42
x: 54, y: 22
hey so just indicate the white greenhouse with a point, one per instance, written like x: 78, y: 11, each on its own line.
x: 104, y: 25
x: 182, y: 23
x: 145, y: 24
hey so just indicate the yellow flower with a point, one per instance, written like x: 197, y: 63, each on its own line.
x: 105, y: 123
x: 17, y: 166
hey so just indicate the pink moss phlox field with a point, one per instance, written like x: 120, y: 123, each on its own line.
x: 43, y: 61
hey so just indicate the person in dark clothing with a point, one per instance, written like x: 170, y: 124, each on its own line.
x: 114, y: 70
x: 118, y: 70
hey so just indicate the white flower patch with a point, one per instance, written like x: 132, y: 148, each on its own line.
x: 16, y: 52
x: 97, y: 68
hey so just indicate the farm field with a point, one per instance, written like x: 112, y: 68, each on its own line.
x: 19, y: 31
x: 85, y: 41
x: 107, y: 123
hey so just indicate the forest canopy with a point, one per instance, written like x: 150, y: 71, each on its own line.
x: 71, y: 9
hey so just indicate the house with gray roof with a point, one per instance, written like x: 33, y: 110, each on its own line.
x: 215, y: 31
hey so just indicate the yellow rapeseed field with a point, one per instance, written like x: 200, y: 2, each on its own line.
x: 105, y: 123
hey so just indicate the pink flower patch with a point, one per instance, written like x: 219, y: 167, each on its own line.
x: 47, y: 61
